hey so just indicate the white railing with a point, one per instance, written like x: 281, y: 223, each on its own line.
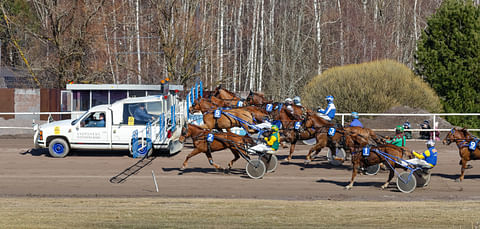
x: 434, y: 119
x: 181, y: 111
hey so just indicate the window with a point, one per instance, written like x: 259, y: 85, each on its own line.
x: 154, y: 92
x: 99, y: 98
x: 81, y: 100
x: 117, y: 95
x: 95, y: 119
x: 136, y: 93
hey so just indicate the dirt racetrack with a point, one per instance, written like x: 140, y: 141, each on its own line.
x: 26, y: 172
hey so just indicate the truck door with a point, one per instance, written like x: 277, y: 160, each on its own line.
x: 92, y: 131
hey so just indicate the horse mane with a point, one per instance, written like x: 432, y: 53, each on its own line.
x: 228, y: 92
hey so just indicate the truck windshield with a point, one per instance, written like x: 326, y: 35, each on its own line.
x: 79, y: 118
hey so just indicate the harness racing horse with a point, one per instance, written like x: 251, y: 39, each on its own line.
x: 230, y: 98
x: 205, y: 106
x: 236, y: 143
x: 464, y: 141
x: 394, y: 153
x: 256, y: 99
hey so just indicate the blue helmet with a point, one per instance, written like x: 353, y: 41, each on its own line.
x: 354, y: 114
x: 406, y: 124
x: 329, y: 98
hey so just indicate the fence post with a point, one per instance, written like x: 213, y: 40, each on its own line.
x: 201, y: 89
x: 343, y: 120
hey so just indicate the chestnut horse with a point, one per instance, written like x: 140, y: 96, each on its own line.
x: 256, y: 99
x: 205, y: 106
x: 463, y: 139
x: 394, y: 153
x: 236, y: 143
x: 230, y: 98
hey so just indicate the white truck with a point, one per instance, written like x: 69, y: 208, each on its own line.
x: 119, y: 130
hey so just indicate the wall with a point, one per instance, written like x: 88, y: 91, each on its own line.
x: 27, y: 100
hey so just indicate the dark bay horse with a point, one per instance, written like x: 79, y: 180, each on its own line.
x: 463, y: 139
x: 394, y: 152
x: 236, y: 143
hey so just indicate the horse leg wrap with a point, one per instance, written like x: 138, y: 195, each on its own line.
x: 210, y: 161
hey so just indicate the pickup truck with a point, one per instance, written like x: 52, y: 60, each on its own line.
x: 118, y: 128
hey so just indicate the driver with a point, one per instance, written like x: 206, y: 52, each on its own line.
x: 141, y: 115
x: 329, y: 112
x: 399, y: 138
x: 272, y: 143
x: 428, y: 159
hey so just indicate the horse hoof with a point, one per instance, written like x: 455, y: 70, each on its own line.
x: 458, y: 180
x: 287, y: 159
x: 348, y: 187
x: 469, y: 167
x: 307, y: 162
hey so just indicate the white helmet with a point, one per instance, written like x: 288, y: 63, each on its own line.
x: 430, y: 143
x: 288, y: 100
x: 296, y: 99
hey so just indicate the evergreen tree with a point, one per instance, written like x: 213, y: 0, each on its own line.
x: 448, y: 57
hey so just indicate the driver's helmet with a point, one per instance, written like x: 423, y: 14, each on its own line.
x: 354, y: 114
x: 296, y: 100
x: 288, y: 101
x: 274, y: 128
x: 426, y: 122
x: 430, y: 143
x: 399, y: 129
x: 329, y: 98
x: 406, y: 124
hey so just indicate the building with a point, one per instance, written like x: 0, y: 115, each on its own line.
x: 81, y: 97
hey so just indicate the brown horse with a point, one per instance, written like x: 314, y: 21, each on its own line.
x: 462, y: 138
x: 256, y: 99
x: 205, y: 106
x: 395, y: 153
x: 221, y: 141
x: 230, y: 98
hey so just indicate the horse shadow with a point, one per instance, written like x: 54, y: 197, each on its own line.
x: 95, y: 153
x: 343, y: 184
x: 454, y: 177
x: 315, y: 163
x: 231, y: 171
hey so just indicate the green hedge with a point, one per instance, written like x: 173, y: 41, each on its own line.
x: 371, y: 87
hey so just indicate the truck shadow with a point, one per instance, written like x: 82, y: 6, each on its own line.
x: 93, y: 153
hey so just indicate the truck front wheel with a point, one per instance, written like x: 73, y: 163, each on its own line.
x: 58, y: 148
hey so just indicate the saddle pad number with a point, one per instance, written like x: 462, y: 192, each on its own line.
x: 331, y: 131
x: 210, y: 138
x: 269, y: 107
x: 472, y: 145
x: 217, y: 114
x: 240, y: 103
x: 297, y: 125
x: 366, y: 151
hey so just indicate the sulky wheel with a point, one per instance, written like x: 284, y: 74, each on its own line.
x: 340, y: 155
x: 58, y: 148
x: 406, y: 183
x: 255, y: 169
x: 372, y: 169
x: 270, y: 162
x: 423, y: 177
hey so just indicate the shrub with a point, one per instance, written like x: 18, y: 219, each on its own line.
x: 371, y: 87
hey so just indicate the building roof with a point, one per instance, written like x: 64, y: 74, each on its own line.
x: 121, y: 87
